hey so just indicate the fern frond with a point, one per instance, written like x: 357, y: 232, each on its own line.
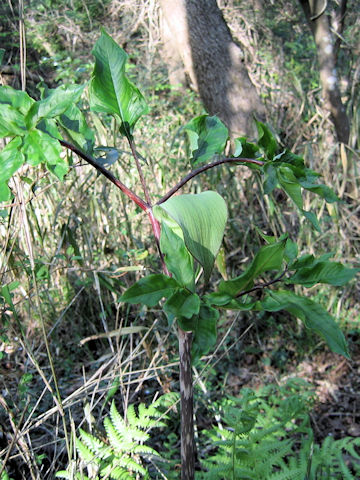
x: 129, y: 431
x: 117, y: 420
x: 99, y: 448
x: 131, y: 416
x: 117, y: 441
x: 145, y: 450
x: 86, y: 454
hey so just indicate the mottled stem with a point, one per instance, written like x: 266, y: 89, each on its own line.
x: 187, y: 407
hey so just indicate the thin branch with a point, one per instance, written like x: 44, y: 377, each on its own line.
x: 202, y: 169
x: 262, y: 285
x: 132, y: 195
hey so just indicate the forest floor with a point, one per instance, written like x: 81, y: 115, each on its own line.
x: 336, y: 382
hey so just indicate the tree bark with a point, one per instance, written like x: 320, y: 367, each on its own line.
x: 315, y: 12
x: 187, y: 407
x: 213, y: 62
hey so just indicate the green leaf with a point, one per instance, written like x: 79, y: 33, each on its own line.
x: 270, y: 178
x: 177, y: 257
x: 269, y: 257
x: 239, y: 305
x: 217, y: 298
x: 182, y: 303
x: 16, y: 98
x: 39, y: 147
x: 207, y: 137
x: 110, y: 90
x: 150, y: 290
x: 321, y: 271
x: 290, y: 184
x: 12, y: 122
x: 58, y: 101
x: 245, y: 148
x: 266, y: 140
x: 323, y: 191
x: 11, y: 160
x: 204, y: 332
x: 291, y: 250
x: 312, y: 219
x: 49, y: 126
x: 74, y: 123
x: 202, y: 218
x: 312, y: 314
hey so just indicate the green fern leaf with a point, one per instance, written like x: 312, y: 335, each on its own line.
x: 118, y: 442
x: 86, y: 454
x: 95, y: 445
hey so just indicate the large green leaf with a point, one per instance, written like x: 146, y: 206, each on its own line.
x: 150, y: 290
x: 266, y: 140
x: 56, y: 103
x: 207, y: 137
x: 290, y: 184
x: 312, y: 314
x: 245, y: 149
x: 177, y: 257
x: 110, y: 90
x: 74, y: 123
x: 11, y: 160
x: 202, y: 218
x: 39, y: 147
x: 267, y: 258
x: 320, y: 270
x: 182, y: 303
x: 12, y: 122
x: 322, y: 190
x: 204, y: 327
x: 16, y: 98
x: 270, y: 178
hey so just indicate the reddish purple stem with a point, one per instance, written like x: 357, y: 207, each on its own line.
x: 202, y: 169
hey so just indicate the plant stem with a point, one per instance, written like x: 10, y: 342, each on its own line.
x: 156, y: 230
x: 187, y: 407
x: 132, y: 195
x: 262, y: 285
x: 202, y: 169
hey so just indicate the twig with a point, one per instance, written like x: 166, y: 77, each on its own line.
x: 262, y: 285
x: 202, y: 169
x: 132, y: 195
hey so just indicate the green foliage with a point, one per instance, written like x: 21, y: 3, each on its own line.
x: 54, y: 104
x: 150, y: 290
x: 312, y: 314
x: 110, y: 90
x: 267, y: 258
x: 202, y: 219
x: 310, y: 270
x: 29, y: 125
x: 268, y: 436
x: 207, y: 137
x: 122, y: 453
x: 178, y: 259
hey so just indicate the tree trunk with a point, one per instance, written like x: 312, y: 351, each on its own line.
x: 187, y: 407
x: 319, y: 23
x: 213, y: 62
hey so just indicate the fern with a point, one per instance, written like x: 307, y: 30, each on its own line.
x: 268, y: 437
x: 336, y: 457
x: 121, y: 455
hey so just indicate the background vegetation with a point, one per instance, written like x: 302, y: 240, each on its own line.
x: 88, y: 243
